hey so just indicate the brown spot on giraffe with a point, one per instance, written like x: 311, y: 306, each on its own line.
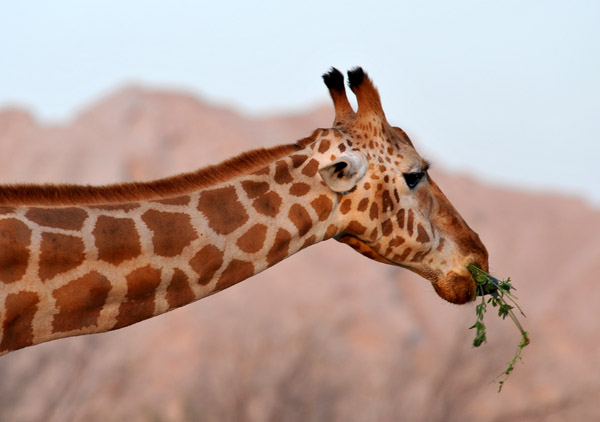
x: 254, y: 189
x: 225, y: 213
x: 374, y: 211
x: 346, y: 206
x: 6, y: 210
x: 374, y: 234
x: 268, y: 204
x: 405, y: 254
x: 386, y: 201
x: 206, y: 263
x: 282, y: 173
x: 419, y: 256
x: 179, y: 291
x: 59, y: 253
x: 70, y: 218
x: 299, y: 189
x: 387, y: 227
x: 356, y: 228
x: 396, y: 241
x: 15, y: 238
x: 19, y: 310
x: 422, y: 235
x: 309, y: 241
x: 263, y: 171
x: 363, y: 204
x: 331, y: 231
x: 311, y: 168
x: 409, y: 222
x: 441, y: 244
x: 117, y: 239
x: 324, y: 146
x: 322, y: 206
x: 301, y: 219
x: 254, y: 239
x: 236, y: 271
x: 141, y: 289
x: 400, y: 218
x: 171, y: 231
x: 180, y: 200
x: 280, y: 248
x: 298, y: 160
x: 79, y: 302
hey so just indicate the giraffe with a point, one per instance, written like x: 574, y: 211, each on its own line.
x: 76, y: 260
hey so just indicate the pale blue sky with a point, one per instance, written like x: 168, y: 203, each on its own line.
x: 508, y: 91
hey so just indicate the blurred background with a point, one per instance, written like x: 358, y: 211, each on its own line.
x: 503, y: 97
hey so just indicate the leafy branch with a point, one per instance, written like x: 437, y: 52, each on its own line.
x: 498, y: 294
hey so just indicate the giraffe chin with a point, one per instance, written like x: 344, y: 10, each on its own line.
x: 454, y: 288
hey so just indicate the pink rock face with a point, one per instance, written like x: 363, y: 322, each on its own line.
x: 325, y: 334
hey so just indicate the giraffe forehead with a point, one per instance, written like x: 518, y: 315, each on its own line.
x: 380, y: 144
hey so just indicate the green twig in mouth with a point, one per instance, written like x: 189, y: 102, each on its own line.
x: 499, y: 296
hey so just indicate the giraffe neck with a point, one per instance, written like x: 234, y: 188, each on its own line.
x: 85, y: 269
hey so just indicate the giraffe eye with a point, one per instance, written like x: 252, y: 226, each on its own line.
x: 413, y: 179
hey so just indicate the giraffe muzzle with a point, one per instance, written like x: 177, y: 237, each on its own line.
x: 456, y: 288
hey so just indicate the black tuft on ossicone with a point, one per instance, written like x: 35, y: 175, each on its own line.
x: 355, y: 77
x: 334, y: 79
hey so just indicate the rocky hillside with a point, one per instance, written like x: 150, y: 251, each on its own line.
x: 326, y: 335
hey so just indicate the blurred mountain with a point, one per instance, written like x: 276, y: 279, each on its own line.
x: 326, y: 335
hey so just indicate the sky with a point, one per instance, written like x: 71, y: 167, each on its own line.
x: 508, y: 92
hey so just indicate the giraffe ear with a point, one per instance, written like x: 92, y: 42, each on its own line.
x: 343, y: 174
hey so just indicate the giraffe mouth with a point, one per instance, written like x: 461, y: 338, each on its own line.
x: 454, y: 287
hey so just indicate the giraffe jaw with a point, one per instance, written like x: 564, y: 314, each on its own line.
x: 455, y: 288
x: 364, y: 249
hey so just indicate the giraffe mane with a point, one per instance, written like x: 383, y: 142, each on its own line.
x: 71, y: 194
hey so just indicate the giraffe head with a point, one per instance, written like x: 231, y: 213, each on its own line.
x: 390, y: 209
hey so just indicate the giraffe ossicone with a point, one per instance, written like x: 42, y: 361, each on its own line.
x: 81, y: 259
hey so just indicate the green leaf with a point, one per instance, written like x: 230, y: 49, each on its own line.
x: 499, y: 291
